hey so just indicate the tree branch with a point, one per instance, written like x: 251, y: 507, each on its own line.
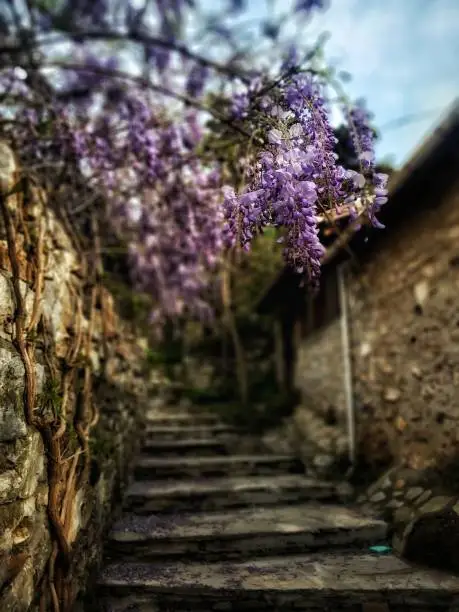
x: 142, y: 82
x: 138, y: 38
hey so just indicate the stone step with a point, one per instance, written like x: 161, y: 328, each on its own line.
x: 337, y: 581
x: 159, y: 418
x: 193, y: 432
x: 216, y: 494
x: 243, y: 533
x: 210, y: 467
x: 203, y: 447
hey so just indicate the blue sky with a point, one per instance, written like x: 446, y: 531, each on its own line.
x: 403, y: 56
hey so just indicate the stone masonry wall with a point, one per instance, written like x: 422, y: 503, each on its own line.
x: 118, y: 393
x: 405, y: 334
x: 320, y: 418
x: 404, y: 326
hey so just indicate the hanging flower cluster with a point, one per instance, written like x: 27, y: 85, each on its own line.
x: 363, y: 140
x: 162, y: 198
x: 298, y: 175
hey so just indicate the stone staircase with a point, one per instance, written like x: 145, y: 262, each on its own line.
x: 207, y: 526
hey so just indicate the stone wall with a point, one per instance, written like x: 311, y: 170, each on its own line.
x: 118, y: 396
x: 405, y: 335
x: 320, y: 418
x: 404, y: 326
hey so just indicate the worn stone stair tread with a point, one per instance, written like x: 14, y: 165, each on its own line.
x: 147, y: 461
x: 317, y: 523
x: 231, y: 486
x: 184, y: 418
x: 310, y: 579
x: 225, y: 484
x: 189, y: 430
x: 153, y: 468
x: 184, y: 443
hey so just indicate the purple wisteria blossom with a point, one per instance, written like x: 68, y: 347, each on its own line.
x: 163, y: 191
x: 196, y: 80
x: 363, y: 140
x: 240, y: 106
x: 298, y: 176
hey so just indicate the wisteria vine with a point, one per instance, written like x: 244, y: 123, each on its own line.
x: 176, y: 209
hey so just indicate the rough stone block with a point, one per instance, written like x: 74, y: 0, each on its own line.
x: 24, y: 463
x: 12, y: 420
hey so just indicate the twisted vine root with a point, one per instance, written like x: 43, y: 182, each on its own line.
x: 20, y: 315
x: 59, y: 473
x: 26, y: 351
